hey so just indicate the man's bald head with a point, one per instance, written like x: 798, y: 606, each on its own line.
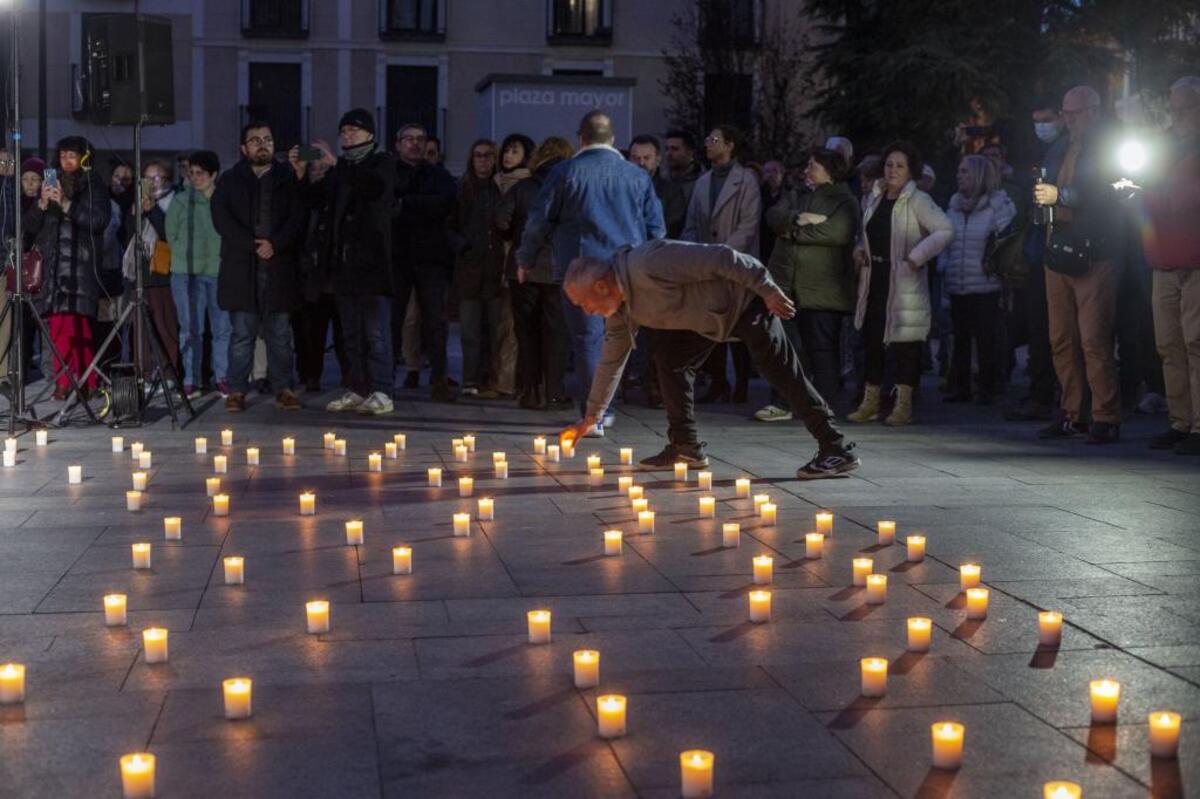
x: 1080, y: 110
x: 595, y: 128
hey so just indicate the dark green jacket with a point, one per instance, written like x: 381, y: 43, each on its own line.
x: 812, y: 263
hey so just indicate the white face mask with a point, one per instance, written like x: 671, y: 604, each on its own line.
x: 1046, y: 131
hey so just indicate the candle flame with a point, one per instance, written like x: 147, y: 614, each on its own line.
x: 9, y: 670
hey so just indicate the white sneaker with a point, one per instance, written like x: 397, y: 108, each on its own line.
x: 347, y: 402
x: 595, y: 432
x: 375, y: 405
x: 773, y: 413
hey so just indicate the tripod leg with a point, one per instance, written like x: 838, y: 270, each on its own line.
x: 76, y: 392
x: 164, y: 369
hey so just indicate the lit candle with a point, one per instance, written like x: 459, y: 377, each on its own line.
x: 118, y: 443
x: 487, y: 509
x: 226, y: 438
x: 469, y: 442
x: 220, y: 504
x: 626, y: 456
x: 764, y: 567
x: 497, y: 457
x: 593, y: 461
x: 237, y: 692
x: 640, y: 504
x: 400, y: 440
x: 501, y: 470
x: 10, y: 444
x: 767, y: 511
x: 135, y: 450
x: 610, y: 715
x: 212, y: 486
x: 317, y: 616
x: 1106, y: 694
x: 374, y: 462
x: 1061, y: 789
x: 145, y: 459
x: 862, y: 567
x: 876, y: 589
x: 133, y: 500
x: 251, y: 456
x: 814, y: 545
x: 731, y: 535
x: 74, y: 475
x: 201, y: 445
x: 339, y: 447
x: 708, y: 507
x: 10, y: 459
x: 539, y: 626
x: 40, y: 438
x: 328, y: 440
x: 308, y: 504
x: 455, y: 443
x: 887, y: 533
x: 114, y: 610
x: 568, y: 449
x: 137, y: 776
x: 466, y: 486
x: 595, y: 477
x: 172, y: 528
x: 154, y: 641
x: 390, y: 452
x: 760, y: 606
x: 587, y: 668
x: 12, y: 683
x: 704, y: 481
x: 696, y: 774
x: 968, y: 576
x: 613, y: 542
x: 681, y: 471
x: 742, y: 487
x: 553, y: 453
x: 874, y: 676
x: 539, y: 445
x: 460, y: 453
x: 824, y: 521
x: 220, y: 464
x: 977, y: 602
x: 289, y: 446
x: 920, y: 631
x: 139, y: 481
x: 462, y: 524
x: 435, y: 477
x: 636, y: 492
x: 401, y: 560
x: 235, y: 570
x: 759, y: 501
x: 947, y: 744
x: 916, y: 548
x: 646, y: 521
x: 1049, y: 628
x: 354, y: 533
x: 1164, y: 733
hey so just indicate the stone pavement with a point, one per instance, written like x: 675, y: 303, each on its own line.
x: 426, y: 685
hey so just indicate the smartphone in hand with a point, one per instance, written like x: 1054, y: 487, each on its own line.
x: 50, y: 178
x: 310, y: 154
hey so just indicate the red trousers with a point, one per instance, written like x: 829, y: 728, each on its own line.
x: 72, y: 337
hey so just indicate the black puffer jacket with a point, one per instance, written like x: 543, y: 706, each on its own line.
x: 71, y: 244
x: 510, y: 220
x: 420, y: 234
x: 480, y: 266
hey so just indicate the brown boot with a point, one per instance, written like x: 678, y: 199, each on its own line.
x: 236, y: 401
x: 286, y: 400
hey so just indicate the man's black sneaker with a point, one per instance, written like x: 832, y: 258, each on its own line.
x: 671, y: 455
x: 1168, y: 438
x: 1189, y: 446
x: 1063, y: 429
x: 1104, y: 433
x: 829, y: 463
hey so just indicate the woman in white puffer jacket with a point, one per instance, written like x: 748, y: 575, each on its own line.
x: 979, y: 212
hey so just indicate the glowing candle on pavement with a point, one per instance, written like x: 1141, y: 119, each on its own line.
x: 462, y: 524
x: 317, y: 616
x: 553, y: 453
x: 172, y: 528
x: 328, y: 440
x: 374, y: 462
x: 500, y: 468
x: 593, y: 461
x: 696, y: 774
x: 400, y: 440
x: 289, y: 446
x: 767, y: 511
x: 137, y: 776
x: 568, y: 449
x: 969, y: 575
x: 539, y: 445
x: 220, y: 464
x: 226, y: 438
x: 814, y: 546
x: 862, y: 567
x: 947, y: 739
x: 251, y: 456
x: 704, y: 481
x: 646, y: 521
x: 874, y: 676
x: 40, y: 438
x: 759, y: 501
x: 133, y: 500
x: 461, y: 453
x: 587, y: 668
x: 212, y: 486
x: 135, y: 450
x: 742, y: 487
x: 1105, y: 695
x: 238, y: 694
x: 1061, y: 789
x: 118, y: 443
x: 390, y: 452
x: 1050, y: 628
x: 915, y: 545
x: 1164, y: 733
x: 139, y: 481
x: 74, y: 475
x: 760, y: 606
x: 887, y: 533
x: 435, y: 477
x: 708, y: 507
x: 681, y: 471
x: 487, y: 509
x: 596, y: 477
x: 354, y: 533
x: 610, y: 715
x: 466, y: 486
x: 613, y: 542
x: 876, y: 589
x: 145, y: 459
x: 640, y: 504
x: 539, y: 626
x: 10, y: 459
x: 339, y: 447
x: 12, y: 684
x: 201, y: 445
x: 977, y: 603
x: 626, y: 456
x: 469, y: 442
x: 220, y: 504
x: 154, y: 641
x: 235, y: 570
x: 764, y: 567
x: 824, y: 520
x: 401, y: 560
x: 731, y: 535
x: 114, y: 610
x: 308, y: 504
x: 636, y: 492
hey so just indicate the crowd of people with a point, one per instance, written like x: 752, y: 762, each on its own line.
x: 872, y: 282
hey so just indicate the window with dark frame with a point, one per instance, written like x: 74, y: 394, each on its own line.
x: 729, y: 24
x: 411, y: 18
x: 581, y: 20
x: 286, y: 19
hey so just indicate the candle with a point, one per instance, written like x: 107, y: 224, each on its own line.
x: 539, y: 626
x: 172, y: 528
x: 767, y: 511
x: 696, y: 774
x: 759, y: 501
x: 760, y: 606
x: 317, y: 616
x: 553, y: 453
x: 145, y: 459
x: 374, y: 462
x: 354, y: 533
x: 212, y: 486
x: 12, y: 683
x: 681, y: 471
x: 137, y: 776
x: 968, y: 576
x: 498, y: 457
x: 587, y: 668
x: 40, y: 438
x: 874, y: 676
x: 1061, y: 789
x: 593, y: 461
x: 455, y: 443
x: 887, y: 533
x: 596, y: 477
x: 10, y: 444
x: 139, y: 481
x: 825, y: 523
x: 133, y: 501
x: 401, y: 560
x: 462, y: 524
x: 251, y: 456
x: 460, y: 453
x: 135, y: 450
x: 814, y: 544
x: 226, y: 438
x: 308, y: 504
x: 389, y: 451
x: 1164, y: 733
x: 1106, y: 694
x: 876, y: 589
x: 568, y: 449
x: 613, y: 542
x: 646, y: 521
x: 704, y: 481
x: 74, y: 475
x: 977, y: 602
x: 118, y: 443
x: 289, y: 446
x: 220, y: 504
x: 640, y: 504
x: 501, y: 470
x: 237, y: 692
x: 154, y: 641
x: 339, y: 447
x: 220, y: 464
x: 920, y: 631
x: 201, y: 445
x: 764, y: 567
x: 916, y: 548
x: 469, y: 442
x: 862, y: 567
x: 636, y: 492
x: 626, y: 456
x: 114, y: 610
x: 328, y: 439
x: 487, y: 509
x: 539, y: 445
x: 610, y: 715
x: 235, y: 570
x: 435, y: 477
x: 1049, y: 628
x: 10, y: 459
x: 947, y: 744
x: 466, y: 486
x: 731, y: 535
x: 400, y: 440
x: 742, y: 487
x: 708, y: 507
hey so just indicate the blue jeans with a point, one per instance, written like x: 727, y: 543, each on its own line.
x: 367, y: 331
x: 276, y: 330
x: 587, y: 340
x: 194, y: 297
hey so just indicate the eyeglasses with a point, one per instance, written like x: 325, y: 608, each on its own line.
x: 410, y: 139
x: 260, y: 141
x: 7, y: 162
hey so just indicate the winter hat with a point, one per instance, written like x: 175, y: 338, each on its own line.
x: 74, y: 144
x: 359, y: 118
x: 33, y: 164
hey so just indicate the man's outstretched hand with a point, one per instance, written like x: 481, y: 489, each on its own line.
x: 779, y: 304
x: 577, y: 430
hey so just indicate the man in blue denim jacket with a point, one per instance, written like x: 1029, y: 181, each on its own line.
x: 589, y: 206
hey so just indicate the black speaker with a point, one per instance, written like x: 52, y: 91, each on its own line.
x: 116, y: 74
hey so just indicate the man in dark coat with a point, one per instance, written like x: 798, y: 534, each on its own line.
x: 257, y: 212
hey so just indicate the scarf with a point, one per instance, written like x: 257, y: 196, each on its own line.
x: 359, y: 152
x: 506, y: 180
